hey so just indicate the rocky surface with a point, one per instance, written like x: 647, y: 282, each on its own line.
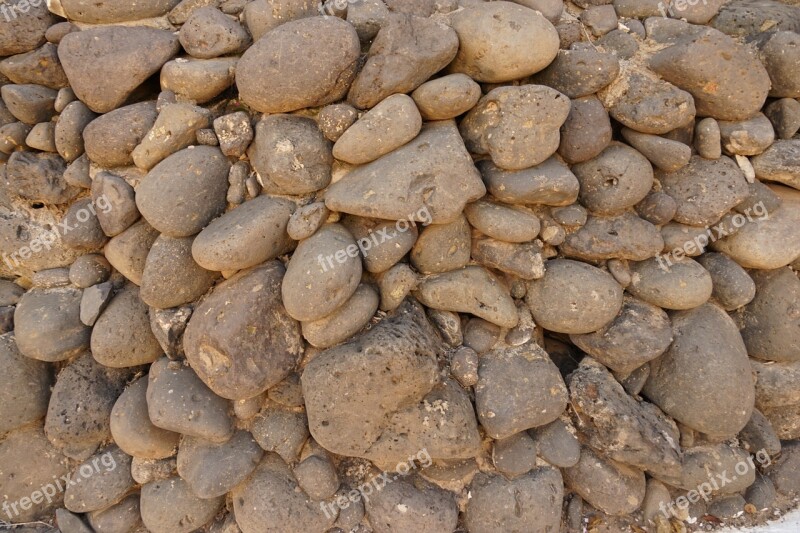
x: 361, y: 266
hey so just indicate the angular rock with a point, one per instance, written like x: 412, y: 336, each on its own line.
x: 406, y: 52
x: 402, y: 185
x: 518, y: 388
x: 105, y: 65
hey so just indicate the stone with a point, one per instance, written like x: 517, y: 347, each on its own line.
x: 345, y: 322
x: 185, y: 191
x: 579, y: 73
x: 132, y: 429
x: 29, y: 103
x: 119, y: 198
x: 209, y: 33
x: 471, y: 289
x: 314, y: 286
x: 39, y: 177
x: 111, y: 138
x: 587, y: 130
x: 177, y: 400
x: 622, y: 429
x: 290, y: 155
x: 389, y: 125
x: 640, y: 333
x: 68, y: 132
x: 739, y: 84
x: 251, y: 234
x: 677, y: 378
x: 784, y: 114
x: 382, y: 243
x: 611, y: 487
x: 171, y: 276
x: 647, y: 104
x: 199, y: 80
x: 334, y: 119
x: 240, y: 340
x: 442, y: 247
x: 406, y: 52
x: 402, y: 185
x: 732, y: 285
x: 495, y: 42
x: 767, y: 322
x: 84, y: 11
x: 573, y: 297
x: 24, y: 386
x: 275, y: 75
x: 499, y: 504
x: 746, y: 137
x: 127, y: 252
x: 549, y: 183
x: 518, y: 388
x: 80, y: 405
x: 234, y: 133
x: 446, y: 97
x: 109, y: 482
x: 705, y: 189
x: 306, y: 220
x: 625, y: 236
x: 681, y: 285
x: 780, y: 162
x: 556, y: 442
x: 666, y: 154
x: 105, y: 65
x: 94, y: 301
x: 47, y: 324
x: 212, y: 469
x: 401, y: 506
x: 175, y: 128
x: 517, y: 126
x: 170, y: 506
x: 24, y: 33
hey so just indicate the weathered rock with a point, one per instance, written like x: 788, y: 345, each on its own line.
x: 272, y: 490
x: 209, y: 33
x: 495, y: 42
x: 579, y: 73
x: 504, y: 222
x: 640, y: 333
x: 170, y: 506
x: 517, y: 126
x: 175, y: 128
x: 573, y: 297
x: 39, y: 177
x: 383, y: 243
x: 469, y: 290
x: 29, y: 103
x: 556, y: 442
x: 529, y: 503
x: 80, y: 406
x: 613, y: 488
x: 122, y: 516
x: 667, y: 154
x: 780, y: 162
x: 732, y: 285
x: 122, y: 337
x: 406, y: 52
x: 549, y: 183
x: 234, y: 133
x: 586, y: 132
x: 726, y: 80
x: 518, y: 388
x: 199, y: 80
x: 184, y: 192
x: 132, y: 429
x: 68, y: 133
x: 48, y: 326
x: 670, y: 282
x: 625, y: 236
x: 240, y: 339
x: 109, y: 482
x: 24, y: 386
x: 24, y: 28
x: 707, y: 343
x: 127, y: 252
x: 390, y: 124
x: 85, y: 11
x: 402, y: 506
x: 345, y: 322
x: 28, y: 462
x: 111, y: 138
x: 177, y: 400
x: 252, y: 233
x: 402, y: 185
x: 770, y: 320
x: 212, y: 469
x: 446, y: 97
x: 105, y: 65
x: 619, y: 427
x: 314, y: 286
x: 275, y: 75
x: 282, y: 431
